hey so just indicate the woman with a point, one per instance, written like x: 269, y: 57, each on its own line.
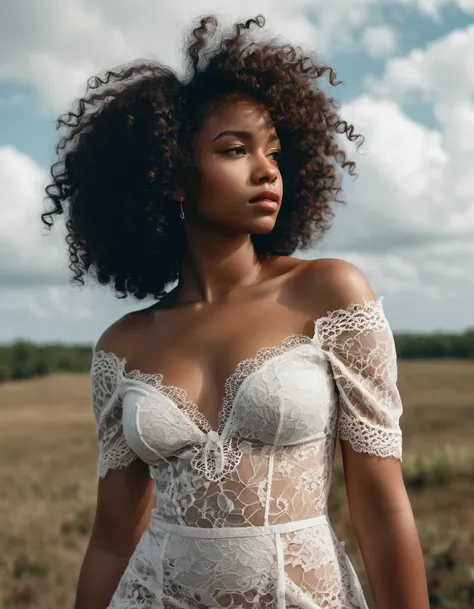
x: 225, y: 397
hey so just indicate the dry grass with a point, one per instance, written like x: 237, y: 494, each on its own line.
x: 47, y: 481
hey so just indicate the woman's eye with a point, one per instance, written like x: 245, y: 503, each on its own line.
x: 235, y: 151
x: 240, y: 150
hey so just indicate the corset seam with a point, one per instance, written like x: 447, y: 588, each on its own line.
x: 280, y: 576
x: 268, y: 496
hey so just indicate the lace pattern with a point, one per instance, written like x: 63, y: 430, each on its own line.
x: 219, y: 456
x: 357, y: 342
x: 316, y: 559
x: 265, y: 469
x: 232, y: 384
x: 250, y: 365
x: 177, y: 395
x: 306, y: 568
x: 106, y: 398
x: 360, y: 346
x: 357, y: 320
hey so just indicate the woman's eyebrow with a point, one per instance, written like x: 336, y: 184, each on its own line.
x: 242, y: 134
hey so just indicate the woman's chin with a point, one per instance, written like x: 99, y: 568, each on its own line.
x: 263, y: 226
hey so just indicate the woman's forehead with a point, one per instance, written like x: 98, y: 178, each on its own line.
x: 238, y: 114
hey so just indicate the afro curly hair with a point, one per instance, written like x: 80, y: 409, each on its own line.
x: 128, y: 147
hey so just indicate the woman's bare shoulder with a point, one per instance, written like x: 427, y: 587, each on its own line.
x: 124, y: 334
x: 328, y: 284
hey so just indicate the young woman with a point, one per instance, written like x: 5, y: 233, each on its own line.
x: 224, y: 399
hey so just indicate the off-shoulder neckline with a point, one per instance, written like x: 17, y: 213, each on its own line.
x: 231, y: 387
x: 374, y: 303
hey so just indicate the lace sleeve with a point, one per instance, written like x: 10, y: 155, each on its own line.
x: 359, y: 344
x: 114, y: 452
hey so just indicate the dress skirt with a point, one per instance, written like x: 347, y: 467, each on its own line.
x: 293, y: 565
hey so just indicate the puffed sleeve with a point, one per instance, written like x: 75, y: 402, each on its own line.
x: 106, y: 398
x: 359, y: 345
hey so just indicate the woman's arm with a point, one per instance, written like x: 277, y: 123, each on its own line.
x: 124, y: 503
x: 359, y: 345
x: 124, y: 496
x: 385, y: 529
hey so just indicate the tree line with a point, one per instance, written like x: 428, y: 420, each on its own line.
x: 23, y: 360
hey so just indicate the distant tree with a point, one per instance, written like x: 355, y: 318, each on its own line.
x: 21, y: 371
x: 41, y: 368
x: 65, y: 364
x: 22, y: 352
x: 5, y: 373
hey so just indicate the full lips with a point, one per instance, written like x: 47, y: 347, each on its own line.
x: 267, y: 204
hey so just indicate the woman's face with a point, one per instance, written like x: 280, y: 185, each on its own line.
x: 236, y: 154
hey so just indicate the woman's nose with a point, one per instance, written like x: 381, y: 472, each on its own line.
x: 265, y: 171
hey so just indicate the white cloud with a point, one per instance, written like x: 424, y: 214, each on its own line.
x: 433, y: 8
x: 442, y: 75
x: 430, y: 7
x: 412, y: 207
x: 466, y: 5
x: 399, y: 194
x: 379, y: 40
x: 46, y: 313
x: 55, y: 46
x: 26, y: 257
x: 21, y: 300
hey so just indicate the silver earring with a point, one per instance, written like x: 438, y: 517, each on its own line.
x: 181, y: 214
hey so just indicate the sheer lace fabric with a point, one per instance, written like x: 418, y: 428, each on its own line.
x: 360, y: 346
x: 106, y: 377
x: 241, y: 511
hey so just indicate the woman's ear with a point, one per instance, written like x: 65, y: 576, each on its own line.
x: 178, y: 195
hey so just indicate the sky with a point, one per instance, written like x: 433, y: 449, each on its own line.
x: 408, y: 222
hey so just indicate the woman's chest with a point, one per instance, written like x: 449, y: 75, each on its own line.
x: 284, y: 398
x: 198, y: 354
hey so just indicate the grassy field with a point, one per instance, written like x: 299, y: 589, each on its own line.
x: 47, y: 483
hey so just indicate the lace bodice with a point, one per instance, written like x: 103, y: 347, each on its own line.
x: 270, y: 460
x: 241, y: 511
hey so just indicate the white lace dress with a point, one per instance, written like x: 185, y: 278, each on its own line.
x: 241, y: 513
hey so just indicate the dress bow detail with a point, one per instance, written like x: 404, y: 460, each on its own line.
x: 213, y: 450
x: 217, y: 457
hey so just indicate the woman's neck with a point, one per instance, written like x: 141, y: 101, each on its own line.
x: 211, y: 275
